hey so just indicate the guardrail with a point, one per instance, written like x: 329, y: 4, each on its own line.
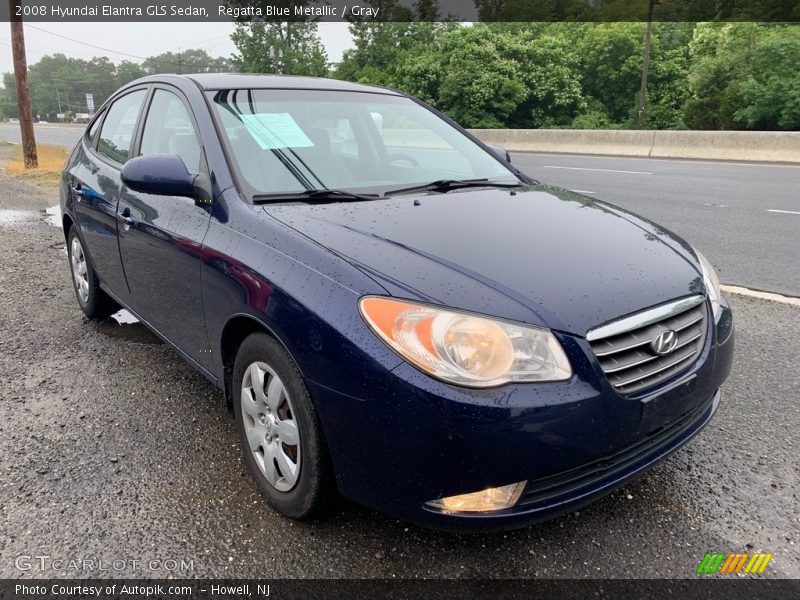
x: 760, y: 146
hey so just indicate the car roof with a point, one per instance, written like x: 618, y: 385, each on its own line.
x: 227, y: 81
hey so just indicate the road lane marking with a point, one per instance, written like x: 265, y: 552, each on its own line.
x: 582, y: 192
x: 743, y: 291
x: 604, y: 170
x: 786, y: 212
x: 704, y: 161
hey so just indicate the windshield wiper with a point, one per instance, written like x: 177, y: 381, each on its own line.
x: 322, y: 195
x: 446, y: 185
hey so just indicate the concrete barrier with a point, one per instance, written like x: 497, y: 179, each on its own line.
x: 570, y: 141
x: 761, y: 146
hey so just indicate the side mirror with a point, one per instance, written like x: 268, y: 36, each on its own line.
x: 500, y: 152
x: 162, y: 174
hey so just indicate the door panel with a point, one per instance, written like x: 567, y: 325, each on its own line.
x: 160, y: 237
x: 161, y: 249
x: 96, y: 186
x: 94, y: 194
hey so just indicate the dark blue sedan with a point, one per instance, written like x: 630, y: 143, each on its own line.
x: 393, y: 310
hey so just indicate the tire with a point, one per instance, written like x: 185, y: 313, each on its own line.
x: 94, y: 302
x: 279, y: 429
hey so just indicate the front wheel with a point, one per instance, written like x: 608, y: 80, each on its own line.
x: 94, y: 302
x: 279, y: 430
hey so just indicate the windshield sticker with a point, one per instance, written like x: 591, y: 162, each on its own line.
x: 276, y: 130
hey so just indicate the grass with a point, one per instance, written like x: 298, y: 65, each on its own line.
x: 51, y: 163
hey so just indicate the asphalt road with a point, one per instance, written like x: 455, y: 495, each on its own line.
x: 112, y: 448
x: 745, y: 217
x: 49, y: 133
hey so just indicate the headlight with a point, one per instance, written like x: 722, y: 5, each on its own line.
x: 711, y: 282
x: 463, y: 348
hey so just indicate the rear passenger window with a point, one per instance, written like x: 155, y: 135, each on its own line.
x: 116, y: 136
x: 168, y: 129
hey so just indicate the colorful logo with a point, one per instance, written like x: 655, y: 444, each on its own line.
x: 734, y: 562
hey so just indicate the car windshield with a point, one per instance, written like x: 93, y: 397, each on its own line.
x: 291, y: 141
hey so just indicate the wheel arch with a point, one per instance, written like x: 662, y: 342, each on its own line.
x: 238, y: 328
x: 66, y: 224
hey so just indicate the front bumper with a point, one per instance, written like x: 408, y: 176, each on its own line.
x: 418, y: 439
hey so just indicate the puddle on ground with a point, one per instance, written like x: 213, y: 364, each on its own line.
x: 124, y: 326
x: 13, y: 216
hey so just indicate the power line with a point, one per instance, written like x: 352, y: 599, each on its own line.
x: 45, y: 50
x: 85, y: 43
x: 219, y: 37
x: 143, y: 58
x: 218, y: 44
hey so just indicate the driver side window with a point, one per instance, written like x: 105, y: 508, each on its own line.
x: 168, y: 129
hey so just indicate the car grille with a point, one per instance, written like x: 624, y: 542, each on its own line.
x: 623, y: 347
x: 615, y: 464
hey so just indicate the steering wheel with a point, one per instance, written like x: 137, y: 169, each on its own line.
x: 390, y: 158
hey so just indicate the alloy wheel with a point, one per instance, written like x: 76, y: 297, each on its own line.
x: 80, y: 272
x: 270, y: 427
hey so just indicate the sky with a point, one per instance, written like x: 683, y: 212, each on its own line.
x: 130, y: 40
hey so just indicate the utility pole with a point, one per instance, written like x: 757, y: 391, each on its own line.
x: 23, y: 94
x: 640, y: 113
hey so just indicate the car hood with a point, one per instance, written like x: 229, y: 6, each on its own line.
x: 539, y: 255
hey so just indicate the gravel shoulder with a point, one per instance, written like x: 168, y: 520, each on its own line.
x: 112, y: 448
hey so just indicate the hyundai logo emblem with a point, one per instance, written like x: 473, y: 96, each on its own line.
x: 664, y: 343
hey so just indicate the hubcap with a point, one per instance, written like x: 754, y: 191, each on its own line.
x: 270, y: 426
x: 79, y: 271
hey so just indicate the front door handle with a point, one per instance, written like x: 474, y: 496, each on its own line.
x: 77, y: 189
x: 125, y: 217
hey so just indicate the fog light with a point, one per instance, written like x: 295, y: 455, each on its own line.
x: 486, y: 500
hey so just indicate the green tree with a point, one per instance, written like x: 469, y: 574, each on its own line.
x: 286, y: 48
x: 771, y: 91
x: 716, y: 69
x: 400, y: 52
x: 59, y: 84
x: 185, y: 61
x: 667, y: 89
x: 611, y: 66
x: 549, y: 70
x: 8, y: 97
x: 128, y: 71
x: 378, y: 45
x: 481, y: 86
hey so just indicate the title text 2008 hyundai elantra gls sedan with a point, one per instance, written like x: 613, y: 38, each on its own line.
x: 392, y: 309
